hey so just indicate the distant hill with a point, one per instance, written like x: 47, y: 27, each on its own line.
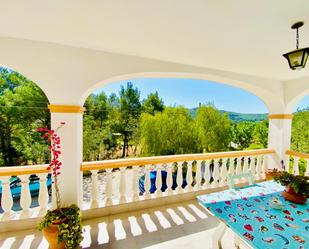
x: 238, y: 117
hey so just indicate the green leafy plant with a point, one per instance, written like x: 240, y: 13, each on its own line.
x: 300, y: 184
x: 70, y: 226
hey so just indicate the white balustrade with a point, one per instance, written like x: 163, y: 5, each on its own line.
x: 223, y: 173
x: 189, y: 177
x: 6, y: 198
x: 158, y: 182
x: 245, y: 168
x: 135, y: 184
x: 147, y: 182
x: 296, y: 166
x: 94, y: 189
x: 43, y: 193
x: 179, y: 178
x: 25, y: 196
x: 216, y: 173
x: 207, y: 174
x: 232, y: 166
x: 238, y: 166
x: 259, y: 171
x: 122, y: 185
x: 198, y: 175
x: 109, y: 188
x: 169, y: 178
x: 252, y: 166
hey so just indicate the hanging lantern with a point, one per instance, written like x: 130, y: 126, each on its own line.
x: 297, y: 58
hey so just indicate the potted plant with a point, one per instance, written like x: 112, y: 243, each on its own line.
x: 62, y: 226
x: 296, y: 187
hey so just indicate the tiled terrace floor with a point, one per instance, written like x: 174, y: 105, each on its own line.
x: 182, y: 226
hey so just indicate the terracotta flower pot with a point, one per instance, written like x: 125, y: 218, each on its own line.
x: 51, y: 235
x: 290, y: 195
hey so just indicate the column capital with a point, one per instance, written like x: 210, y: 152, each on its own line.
x: 66, y: 108
x: 280, y: 116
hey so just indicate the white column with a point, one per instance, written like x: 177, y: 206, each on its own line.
x: 71, y: 135
x: 279, y: 138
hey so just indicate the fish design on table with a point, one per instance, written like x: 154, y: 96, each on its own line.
x: 226, y: 208
x: 244, y: 216
x: 257, y: 200
x: 248, y: 227
x: 289, y: 218
x: 232, y: 218
x: 248, y: 236
x: 239, y: 206
x: 277, y: 226
x: 305, y: 220
x: 293, y: 205
x: 307, y: 228
x: 228, y: 202
x: 263, y: 208
x: 249, y: 205
x: 259, y: 219
x: 269, y: 240
x: 244, y: 198
x: 299, y: 212
x: 286, y: 212
x: 286, y: 241
x: 218, y: 210
x: 298, y: 239
x: 253, y: 212
x: 271, y: 216
x: 263, y: 229
x: 291, y: 225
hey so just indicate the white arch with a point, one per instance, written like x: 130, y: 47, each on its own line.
x: 265, y: 96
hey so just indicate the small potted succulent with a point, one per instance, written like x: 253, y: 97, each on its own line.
x: 62, y: 226
x: 296, y: 187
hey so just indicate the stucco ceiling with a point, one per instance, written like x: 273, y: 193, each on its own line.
x: 240, y: 36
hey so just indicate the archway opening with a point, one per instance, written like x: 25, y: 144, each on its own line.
x: 164, y: 116
x: 23, y: 108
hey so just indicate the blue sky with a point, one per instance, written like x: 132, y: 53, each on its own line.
x: 190, y: 93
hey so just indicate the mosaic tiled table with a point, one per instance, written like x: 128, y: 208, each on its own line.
x: 248, y: 213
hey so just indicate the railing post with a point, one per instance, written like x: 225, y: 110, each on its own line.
x: 189, y: 178
x: 238, y: 166
x: 147, y: 182
x: 207, y: 174
x: 198, y: 175
x: 94, y: 189
x: 259, y: 168
x: 109, y: 187
x: 135, y: 184
x: 43, y: 193
x: 169, y: 178
x: 216, y: 173
x: 6, y: 198
x: 122, y: 185
x: 25, y: 196
x: 158, y: 181
x: 232, y: 166
x: 179, y: 177
x: 223, y: 177
x: 245, y: 168
x: 307, y: 168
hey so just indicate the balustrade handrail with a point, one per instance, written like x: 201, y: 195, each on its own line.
x: 297, y: 154
x: 24, y: 170
x: 118, y: 163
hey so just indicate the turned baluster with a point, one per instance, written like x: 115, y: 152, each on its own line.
x: 189, y: 177
x: 198, y: 175
x: 207, y: 175
x: 223, y: 177
x: 307, y: 168
x: 94, y: 189
x: 25, y: 196
x: 135, y: 184
x: 232, y: 166
x: 245, y: 168
x: 238, y: 166
x: 43, y: 192
x: 216, y: 173
x: 6, y: 199
x: 122, y: 185
x: 179, y: 177
x: 169, y: 178
x: 158, y: 182
x: 259, y: 170
x: 147, y: 182
x: 109, y: 187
